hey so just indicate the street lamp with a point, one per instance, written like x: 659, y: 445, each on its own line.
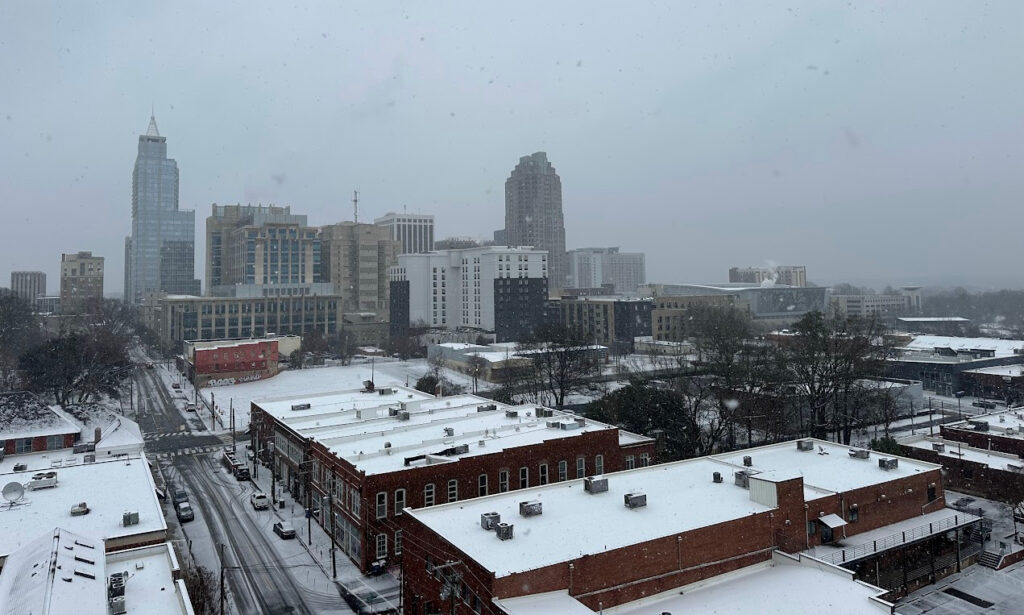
x: 959, y: 413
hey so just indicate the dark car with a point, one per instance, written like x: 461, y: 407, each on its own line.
x: 185, y: 513
x: 179, y: 496
x: 284, y: 530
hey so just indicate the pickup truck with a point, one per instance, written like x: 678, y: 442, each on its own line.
x: 259, y: 501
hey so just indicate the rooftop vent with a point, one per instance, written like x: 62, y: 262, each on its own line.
x: 300, y: 406
x: 716, y: 477
x: 543, y: 413
x: 490, y: 521
x: 636, y: 499
x: 748, y: 461
x: 79, y: 509
x: 530, y: 508
x: 130, y: 518
x: 805, y: 445
x: 487, y: 408
x: 742, y: 479
x: 392, y: 411
x: 553, y: 424
x: 386, y: 391
x: 449, y: 432
x: 570, y: 425
x: 403, y: 415
x: 595, y: 484
x: 87, y: 447
x: 939, y: 447
x: 860, y: 453
x: 979, y: 425
x: 888, y: 464
x: 387, y: 445
x: 89, y: 458
x: 511, y: 414
x: 504, y: 531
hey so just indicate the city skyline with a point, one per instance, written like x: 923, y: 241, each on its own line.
x: 869, y: 126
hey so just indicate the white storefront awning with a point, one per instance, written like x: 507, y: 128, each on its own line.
x: 833, y: 521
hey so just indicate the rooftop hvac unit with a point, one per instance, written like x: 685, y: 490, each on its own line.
x: 79, y: 509
x: 504, y: 531
x: 386, y: 391
x: 490, y: 520
x: 449, y: 432
x: 115, y: 585
x: 582, y: 422
x: 742, y: 479
x: 860, y: 453
x: 87, y: 447
x: 979, y: 425
x: 387, y: 445
x: 553, y: 424
x: 805, y: 445
x: 595, y: 484
x: 403, y: 415
x: 461, y: 449
x: 888, y: 464
x: 939, y: 447
x: 716, y: 477
x: 392, y: 411
x: 636, y: 499
x: 511, y: 414
x: 300, y: 406
x: 544, y: 413
x: 117, y: 606
x: 89, y: 458
x: 130, y: 518
x: 1010, y: 431
x: 569, y: 425
x: 530, y: 508
x: 748, y: 460
x: 1002, y: 419
x: 487, y: 408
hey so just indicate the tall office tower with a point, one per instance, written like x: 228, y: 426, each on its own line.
x: 356, y: 260
x: 160, y: 253
x: 261, y: 251
x: 28, y: 284
x: 81, y: 281
x: 533, y: 213
x: 595, y: 267
x: 413, y: 232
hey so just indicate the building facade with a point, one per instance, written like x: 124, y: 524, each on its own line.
x: 486, y: 289
x: 81, y: 281
x: 533, y: 213
x: 247, y: 244
x: 790, y: 275
x: 28, y: 284
x: 160, y: 253
x: 907, y: 301
x: 413, y: 232
x: 610, y: 321
x: 596, y: 267
x: 227, y: 362
x: 770, y: 306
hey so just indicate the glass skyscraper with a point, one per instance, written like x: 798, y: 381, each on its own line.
x: 160, y: 254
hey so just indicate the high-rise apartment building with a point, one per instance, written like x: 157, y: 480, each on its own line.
x: 160, y: 253
x: 261, y: 251
x: 413, y: 232
x: 533, y: 213
x: 28, y: 284
x: 81, y: 281
x: 596, y: 267
x: 788, y: 275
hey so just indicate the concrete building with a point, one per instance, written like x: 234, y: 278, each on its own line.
x: 611, y: 321
x: 257, y: 244
x: 789, y: 275
x: 769, y: 305
x: 908, y: 301
x: 160, y: 253
x: 533, y: 213
x: 609, y: 543
x: 176, y: 318
x: 356, y: 261
x: 48, y: 305
x: 413, y: 232
x: 493, y: 289
x: 81, y: 281
x: 28, y: 284
x: 670, y: 314
x: 378, y: 452
x: 940, y: 362
x: 596, y: 267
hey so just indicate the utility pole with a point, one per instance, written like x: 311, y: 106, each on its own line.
x: 452, y: 581
x: 222, y: 596
x: 213, y: 404
x: 231, y: 405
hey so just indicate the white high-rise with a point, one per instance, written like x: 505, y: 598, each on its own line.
x: 413, y: 232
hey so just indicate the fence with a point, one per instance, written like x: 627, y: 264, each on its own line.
x: 899, y: 538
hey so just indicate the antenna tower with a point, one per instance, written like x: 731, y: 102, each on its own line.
x: 355, y: 206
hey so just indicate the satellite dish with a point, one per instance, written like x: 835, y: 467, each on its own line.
x: 13, y: 492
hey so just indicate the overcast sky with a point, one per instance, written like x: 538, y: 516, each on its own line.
x: 872, y: 141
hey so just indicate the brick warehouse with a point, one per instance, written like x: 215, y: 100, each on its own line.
x: 374, y: 453
x: 656, y: 529
x: 999, y: 431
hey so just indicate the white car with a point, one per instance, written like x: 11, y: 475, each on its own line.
x: 259, y: 501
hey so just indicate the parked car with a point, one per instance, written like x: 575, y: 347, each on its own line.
x: 175, y: 386
x: 179, y: 496
x: 190, y: 408
x: 259, y: 501
x: 149, y: 365
x: 284, y: 529
x: 185, y: 512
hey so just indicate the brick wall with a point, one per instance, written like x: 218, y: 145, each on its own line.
x: 973, y: 477
x: 984, y: 439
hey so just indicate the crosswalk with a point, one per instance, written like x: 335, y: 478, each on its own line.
x: 195, y: 450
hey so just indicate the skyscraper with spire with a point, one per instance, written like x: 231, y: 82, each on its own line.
x: 160, y: 253
x: 533, y: 213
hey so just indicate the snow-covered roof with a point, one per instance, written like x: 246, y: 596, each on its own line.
x: 958, y: 450
x: 109, y: 487
x: 555, y: 536
x: 1008, y: 423
x: 933, y: 319
x: 1012, y: 371
x: 828, y: 468
x: 341, y: 404
x: 1001, y: 348
x: 151, y: 586
x: 116, y: 432
x: 23, y: 415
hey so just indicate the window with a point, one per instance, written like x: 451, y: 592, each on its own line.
x: 630, y: 462
x: 382, y: 546
x: 581, y: 467
x: 524, y: 477
x: 599, y: 464
x: 453, y: 490
x: 482, y: 485
x: 54, y: 443
x: 853, y: 513
x: 811, y: 527
x: 931, y: 492
x: 543, y: 474
x: 398, y: 542
x: 428, y: 494
x: 645, y: 460
x: 563, y: 470
x: 382, y: 504
x: 399, y: 505
x: 503, y: 481
x: 23, y: 445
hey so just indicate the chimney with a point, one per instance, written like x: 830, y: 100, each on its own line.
x: 96, y: 435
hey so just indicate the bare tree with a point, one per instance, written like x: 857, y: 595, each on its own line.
x: 562, y: 363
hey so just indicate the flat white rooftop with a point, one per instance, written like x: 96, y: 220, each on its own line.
x: 828, y: 468
x: 1013, y: 371
x: 958, y: 450
x: 1008, y: 423
x: 109, y: 487
x: 151, y: 587
x: 680, y: 497
x: 1001, y: 348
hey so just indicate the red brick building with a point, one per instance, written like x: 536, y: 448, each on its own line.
x: 27, y: 425
x: 216, y: 363
x: 999, y: 431
x: 653, y: 530
x: 372, y: 454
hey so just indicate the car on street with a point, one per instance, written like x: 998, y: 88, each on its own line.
x: 179, y: 496
x: 259, y: 501
x: 284, y: 529
x: 185, y: 512
x: 190, y: 408
x: 149, y: 365
x: 175, y: 386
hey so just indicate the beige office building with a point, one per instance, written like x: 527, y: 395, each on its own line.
x: 81, y: 281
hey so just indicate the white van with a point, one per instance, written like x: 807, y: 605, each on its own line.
x: 259, y: 501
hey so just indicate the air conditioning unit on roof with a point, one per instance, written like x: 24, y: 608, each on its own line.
x: 939, y: 447
x: 530, y: 508
x: 595, y: 484
x: 637, y: 499
x: 888, y: 464
x: 490, y: 521
x: 860, y: 453
x: 504, y: 531
x: 805, y: 445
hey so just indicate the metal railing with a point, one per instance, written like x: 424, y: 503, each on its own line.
x: 893, y: 540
